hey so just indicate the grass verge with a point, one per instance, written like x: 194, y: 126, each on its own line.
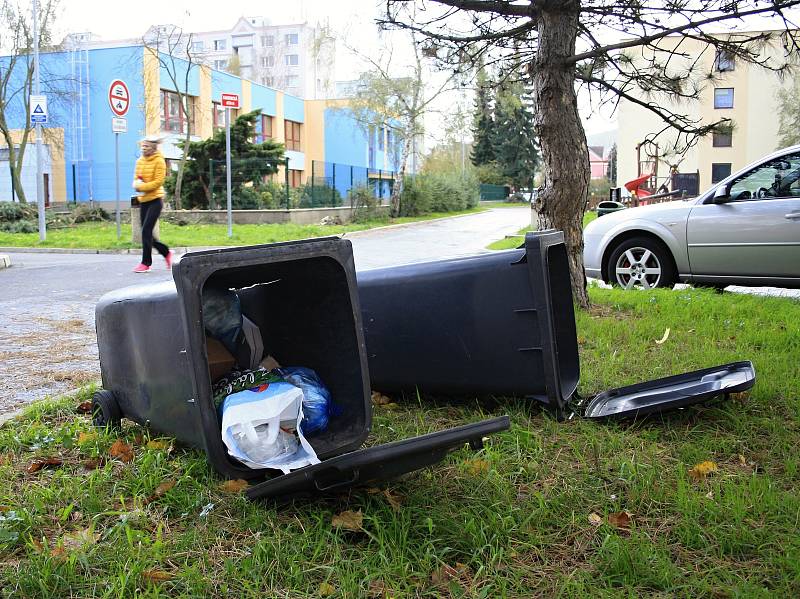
x: 513, y: 241
x: 104, y: 235
x: 537, y: 513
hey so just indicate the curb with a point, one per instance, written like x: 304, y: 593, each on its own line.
x: 184, y: 249
x: 5, y: 261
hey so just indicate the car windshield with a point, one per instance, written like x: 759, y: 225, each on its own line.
x: 776, y: 178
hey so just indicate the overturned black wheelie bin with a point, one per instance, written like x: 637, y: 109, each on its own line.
x: 503, y: 323
x: 303, y: 298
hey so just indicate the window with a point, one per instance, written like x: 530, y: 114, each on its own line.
x: 723, y: 138
x: 295, y: 178
x: 267, y: 61
x: 292, y: 131
x: 388, y: 138
x: 291, y: 39
x: 723, y: 97
x: 267, y: 41
x: 724, y: 61
x: 292, y: 81
x: 220, y: 65
x: 266, y: 129
x: 220, y: 45
x: 173, y: 117
x: 381, y: 138
x: 269, y: 81
x: 218, y: 115
x: 198, y: 46
x: 720, y: 170
x: 777, y: 178
x: 292, y: 60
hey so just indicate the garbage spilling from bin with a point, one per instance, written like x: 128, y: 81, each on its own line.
x: 200, y: 358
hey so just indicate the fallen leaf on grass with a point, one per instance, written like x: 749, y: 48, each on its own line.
x: 80, y: 538
x: 85, y: 407
x: 620, y: 519
x: 379, y: 399
x: 447, y: 573
x: 5, y: 458
x: 326, y: 589
x: 43, y: 463
x: 157, y: 576
x: 393, y: 500
x: 664, y: 338
x: 595, y: 519
x: 157, y: 444
x: 160, y: 491
x: 234, y: 486
x: 87, y: 437
x: 348, y: 520
x: 477, y: 466
x: 703, y: 470
x: 121, y: 450
x: 94, y: 463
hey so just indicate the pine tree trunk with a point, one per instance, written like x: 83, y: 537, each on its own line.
x: 565, y: 156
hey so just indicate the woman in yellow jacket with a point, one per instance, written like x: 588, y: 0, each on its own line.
x: 149, y: 182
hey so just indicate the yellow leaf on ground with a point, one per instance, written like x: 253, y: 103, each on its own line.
x: 80, y: 538
x: 87, y: 437
x: 379, y: 399
x: 326, y: 589
x: 121, y: 450
x: 160, y: 491
x: 234, y: 486
x: 447, y: 573
x: 394, y: 500
x: 595, y: 519
x: 157, y: 444
x: 157, y: 575
x: 348, y: 520
x: 664, y: 338
x: 477, y: 466
x: 703, y: 470
x: 620, y: 519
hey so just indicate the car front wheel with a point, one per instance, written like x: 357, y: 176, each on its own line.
x: 641, y: 262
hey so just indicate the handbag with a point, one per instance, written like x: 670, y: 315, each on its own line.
x: 135, y: 201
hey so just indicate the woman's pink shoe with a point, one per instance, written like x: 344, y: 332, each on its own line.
x: 168, y: 260
x: 142, y: 268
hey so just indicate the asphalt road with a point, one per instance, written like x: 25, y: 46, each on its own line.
x: 47, y: 300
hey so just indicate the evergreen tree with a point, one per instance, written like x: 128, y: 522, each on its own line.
x: 611, y: 169
x: 250, y: 164
x: 482, y: 152
x: 514, y: 141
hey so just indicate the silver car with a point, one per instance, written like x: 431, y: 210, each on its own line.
x: 745, y: 230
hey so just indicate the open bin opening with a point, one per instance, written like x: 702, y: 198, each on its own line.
x: 305, y: 316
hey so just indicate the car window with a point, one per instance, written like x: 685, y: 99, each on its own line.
x: 777, y: 178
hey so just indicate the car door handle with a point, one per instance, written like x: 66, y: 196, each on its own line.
x: 792, y: 216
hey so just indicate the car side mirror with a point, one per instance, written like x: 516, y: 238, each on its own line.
x: 722, y: 195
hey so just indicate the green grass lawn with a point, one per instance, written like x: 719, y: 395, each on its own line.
x: 509, y: 243
x: 104, y: 235
x: 528, y: 516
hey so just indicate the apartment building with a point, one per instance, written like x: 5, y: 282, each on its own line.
x: 296, y: 58
x: 730, y: 88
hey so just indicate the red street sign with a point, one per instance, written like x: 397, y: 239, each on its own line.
x: 118, y: 97
x: 230, y: 100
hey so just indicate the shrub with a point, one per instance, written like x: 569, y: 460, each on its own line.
x: 366, y: 207
x: 84, y: 213
x: 14, y: 211
x: 19, y: 226
x: 423, y: 194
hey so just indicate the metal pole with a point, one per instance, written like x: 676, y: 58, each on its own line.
x: 116, y: 178
x: 37, y: 91
x: 312, y: 180
x: 211, y: 201
x: 228, y: 168
x: 333, y: 186
x: 74, y: 186
x: 286, y: 176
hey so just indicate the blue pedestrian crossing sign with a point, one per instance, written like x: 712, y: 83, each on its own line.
x: 38, y: 108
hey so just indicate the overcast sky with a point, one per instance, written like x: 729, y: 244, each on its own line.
x: 351, y: 20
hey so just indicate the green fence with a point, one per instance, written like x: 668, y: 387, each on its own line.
x: 494, y: 192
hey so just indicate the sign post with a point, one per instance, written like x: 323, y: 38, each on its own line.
x: 229, y: 101
x: 119, y: 98
x: 41, y: 118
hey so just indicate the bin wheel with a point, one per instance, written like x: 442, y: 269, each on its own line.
x: 105, y: 410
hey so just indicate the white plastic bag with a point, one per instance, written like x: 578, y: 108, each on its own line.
x: 259, y: 427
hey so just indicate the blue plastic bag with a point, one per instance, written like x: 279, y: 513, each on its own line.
x: 317, y: 403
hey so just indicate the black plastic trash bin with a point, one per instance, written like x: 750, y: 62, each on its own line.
x: 302, y: 296
x: 502, y: 323
x: 609, y: 206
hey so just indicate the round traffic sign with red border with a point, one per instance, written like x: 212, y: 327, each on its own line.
x: 118, y: 97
